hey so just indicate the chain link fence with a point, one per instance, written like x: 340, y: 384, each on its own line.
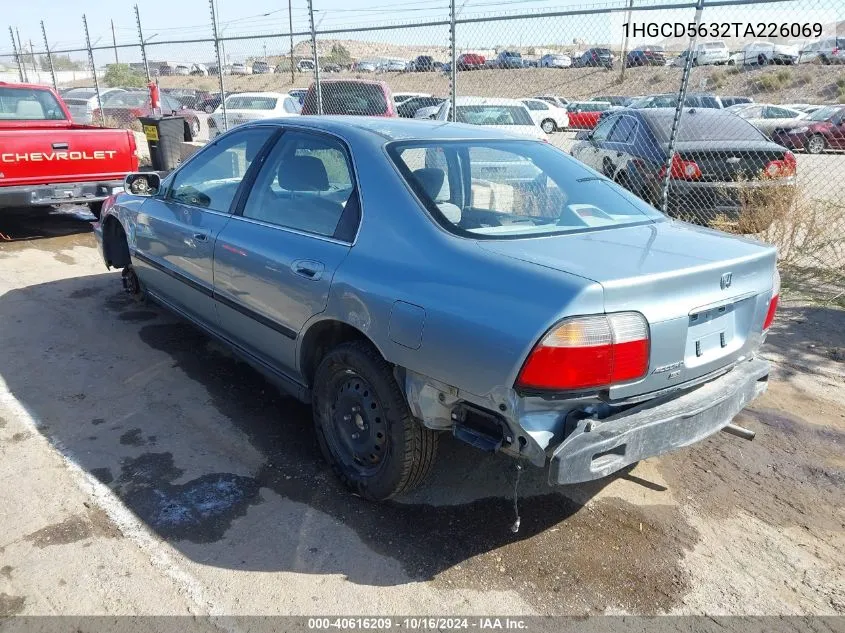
x: 724, y: 113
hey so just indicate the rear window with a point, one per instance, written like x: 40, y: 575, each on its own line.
x: 348, y: 98
x: 512, y: 189
x: 706, y: 128
x: 493, y: 115
x: 23, y: 104
x: 714, y: 45
x: 127, y: 100
x: 241, y: 102
x: 80, y: 94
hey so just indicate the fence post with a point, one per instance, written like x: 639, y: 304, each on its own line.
x: 21, y: 63
x: 49, y: 57
x: 679, y: 108
x: 625, y: 42
x: 453, y: 67
x: 220, y: 64
x: 290, y: 29
x: 94, y: 71
x: 143, y: 44
x: 317, y: 90
x: 114, y: 43
x: 17, y: 54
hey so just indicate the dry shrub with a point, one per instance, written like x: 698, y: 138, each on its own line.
x: 808, y: 232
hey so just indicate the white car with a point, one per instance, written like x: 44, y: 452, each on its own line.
x: 241, y: 69
x: 402, y: 97
x: 429, y: 112
x: 763, y: 53
x: 828, y: 50
x: 766, y: 117
x: 555, y: 100
x: 706, y: 54
x: 507, y: 115
x: 81, y: 102
x: 550, y: 118
x: 553, y: 60
x: 244, y: 107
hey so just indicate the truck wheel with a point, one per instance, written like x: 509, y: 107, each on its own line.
x: 96, y: 208
x: 364, y: 427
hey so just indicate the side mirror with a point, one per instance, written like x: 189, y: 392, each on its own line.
x: 142, y: 183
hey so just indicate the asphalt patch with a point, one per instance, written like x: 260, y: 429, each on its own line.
x: 78, y: 527
x: 137, y: 316
x: 84, y: 293
x: 11, y: 605
x: 132, y: 438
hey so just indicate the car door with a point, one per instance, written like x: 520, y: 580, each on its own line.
x: 175, y: 231
x: 618, y: 146
x: 593, y: 151
x: 274, y: 261
x: 836, y: 134
x: 775, y: 117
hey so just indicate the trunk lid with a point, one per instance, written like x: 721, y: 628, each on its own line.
x: 746, y: 162
x: 704, y: 293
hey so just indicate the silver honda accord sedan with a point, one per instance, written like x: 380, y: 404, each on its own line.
x: 408, y: 278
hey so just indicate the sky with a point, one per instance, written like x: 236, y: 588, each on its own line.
x: 164, y: 21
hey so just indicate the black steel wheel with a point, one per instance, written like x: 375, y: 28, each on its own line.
x: 364, y: 427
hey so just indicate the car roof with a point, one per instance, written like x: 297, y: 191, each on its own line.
x: 382, y: 129
x: 467, y: 101
x: 277, y: 95
x: 659, y: 114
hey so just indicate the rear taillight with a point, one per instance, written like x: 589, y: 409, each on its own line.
x: 589, y: 352
x: 781, y: 168
x: 682, y: 169
x: 773, y: 303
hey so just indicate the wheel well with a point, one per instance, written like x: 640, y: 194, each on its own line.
x: 320, y: 339
x: 115, y: 246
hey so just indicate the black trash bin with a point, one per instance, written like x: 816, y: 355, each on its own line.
x: 164, y: 137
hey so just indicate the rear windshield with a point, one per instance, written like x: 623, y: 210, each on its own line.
x: 493, y: 115
x: 825, y: 113
x: 714, y: 45
x: 80, y: 93
x: 706, y: 128
x: 348, y: 98
x: 512, y: 189
x: 23, y: 104
x: 241, y: 102
x: 127, y: 100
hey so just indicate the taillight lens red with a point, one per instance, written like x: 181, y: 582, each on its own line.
x: 773, y: 303
x: 589, y: 352
x: 682, y: 169
x: 781, y: 168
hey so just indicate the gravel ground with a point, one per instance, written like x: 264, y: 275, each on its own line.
x: 145, y: 471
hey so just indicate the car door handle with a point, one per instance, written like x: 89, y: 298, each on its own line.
x: 308, y: 268
x: 201, y: 237
x: 60, y: 145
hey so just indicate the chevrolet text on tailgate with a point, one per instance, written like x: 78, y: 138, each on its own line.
x: 46, y: 159
x: 410, y: 278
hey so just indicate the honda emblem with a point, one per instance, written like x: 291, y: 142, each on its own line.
x: 725, y: 281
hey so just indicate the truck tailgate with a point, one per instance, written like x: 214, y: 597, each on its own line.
x: 75, y: 154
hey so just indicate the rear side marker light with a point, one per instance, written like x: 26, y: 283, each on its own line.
x: 589, y: 352
x: 773, y: 303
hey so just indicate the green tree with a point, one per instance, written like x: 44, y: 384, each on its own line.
x: 339, y: 54
x: 122, y: 76
x: 60, y: 62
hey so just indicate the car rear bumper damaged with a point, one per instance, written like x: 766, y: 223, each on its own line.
x: 597, y: 448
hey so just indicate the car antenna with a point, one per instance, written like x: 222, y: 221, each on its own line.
x: 516, y: 523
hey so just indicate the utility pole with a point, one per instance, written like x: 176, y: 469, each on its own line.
x: 143, y: 44
x: 220, y: 63
x: 32, y: 60
x: 265, y: 52
x: 114, y: 43
x: 20, y: 53
x: 94, y: 71
x: 290, y: 30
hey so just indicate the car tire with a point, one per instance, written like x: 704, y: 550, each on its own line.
x: 548, y: 126
x: 815, y: 144
x: 96, y: 208
x: 824, y: 60
x: 762, y: 60
x: 364, y: 426
x: 731, y: 62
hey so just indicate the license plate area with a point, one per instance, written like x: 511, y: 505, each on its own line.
x: 711, y: 334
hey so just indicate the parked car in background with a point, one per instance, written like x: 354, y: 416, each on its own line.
x: 393, y: 66
x: 48, y: 159
x: 423, y: 64
x: 620, y: 101
x: 829, y: 50
x: 555, y: 60
x: 767, y: 117
x: 806, y: 108
x: 211, y: 102
x: 298, y: 94
x: 240, y: 69
x: 182, y: 70
x: 124, y: 107
x: 81, y: 102
x: 409, y: 108
x: 199, y: 70
x: 470, y: 61
x: 717, y: 157
x: 555, y: 100
x: 261, y: 68
x: 594, y: 58
x: 245, y: 107
x: 652, y: 55
x: 188, y: 97
x: 507, y: 115
x: 331, y: 68
x: 583, y: 115
x: 691, y: 100
x: 356, y: 313
x: 365, y: 66
x: 351, y: 96
x: 823, y: 129
x: 401, y: 97
x: 705, y: 54
x: 764, y: 53
x: 305, y: 66
x: 427, y: 112
x: 508, y: 60
x: 732, y: 100
x: 550, y: 118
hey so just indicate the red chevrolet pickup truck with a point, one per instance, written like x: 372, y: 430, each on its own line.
x: 46, y: 159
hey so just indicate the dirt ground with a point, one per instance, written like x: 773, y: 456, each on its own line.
x: 146, y: 471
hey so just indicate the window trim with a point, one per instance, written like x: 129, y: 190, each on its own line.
x: 241, y: 199
x: 166, y: 197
